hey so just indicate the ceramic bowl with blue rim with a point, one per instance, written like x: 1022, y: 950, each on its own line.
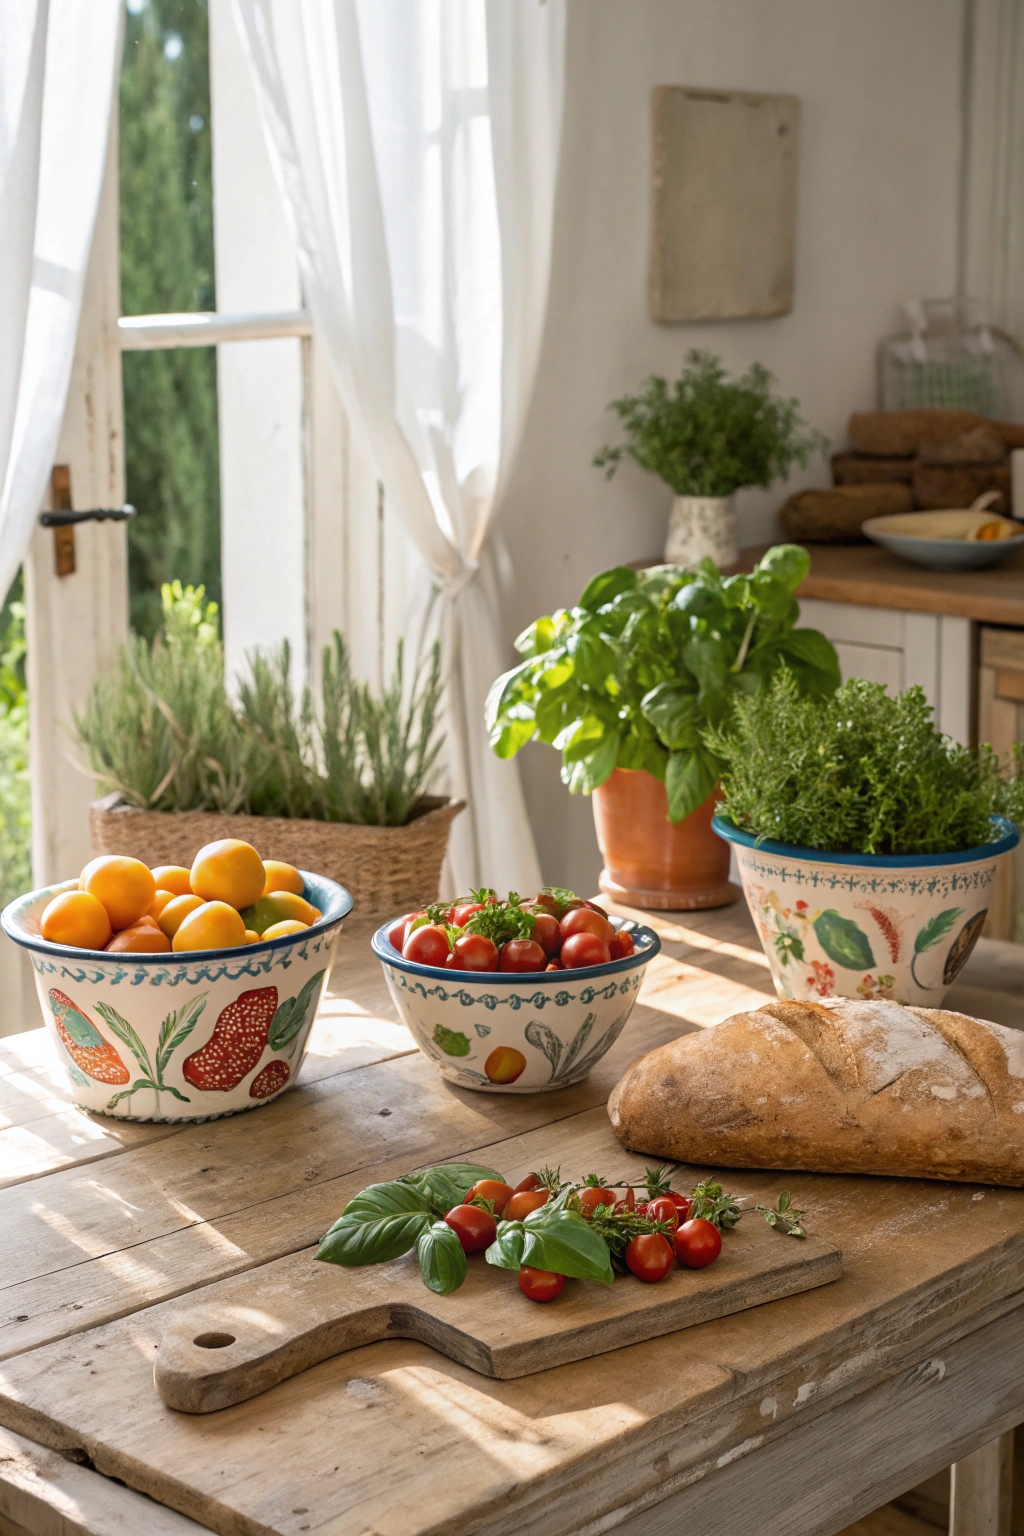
x: 177, y: 1037
x: 515, y: 1032
x: 899, y: 926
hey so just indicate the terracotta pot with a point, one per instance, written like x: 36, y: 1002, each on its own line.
x: 652, y: 862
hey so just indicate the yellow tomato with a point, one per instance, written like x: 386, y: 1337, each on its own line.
x: 176, y: 911
x: 282, y: 877
x: 230, y: 871
x: 160, y: 900
x: 250, y: 937
x: 277, y: 908
x: 279, y: 930
x: 214, y: 925
x: 174, y: 878
x: 142, y: 939
x: 124, y: 886
x: 75, y: 918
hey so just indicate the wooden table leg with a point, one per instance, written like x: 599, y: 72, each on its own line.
x: 982, y: 1489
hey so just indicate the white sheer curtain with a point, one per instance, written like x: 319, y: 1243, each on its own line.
x: 416, y: 145
x: 993, y: 232
x: 58, y: 72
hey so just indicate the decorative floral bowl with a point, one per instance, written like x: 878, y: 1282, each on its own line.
x: 181, y: 1036
x: 502, y: 1032
x: 867, y: 925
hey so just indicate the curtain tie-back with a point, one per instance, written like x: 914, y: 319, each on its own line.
x: 451, y: 586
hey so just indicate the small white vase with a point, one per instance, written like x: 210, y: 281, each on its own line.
x: 702, y: 526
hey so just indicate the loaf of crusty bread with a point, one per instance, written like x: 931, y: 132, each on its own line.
x: 836, y: 1087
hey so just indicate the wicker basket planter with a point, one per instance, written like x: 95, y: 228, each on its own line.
x: 387, y: 870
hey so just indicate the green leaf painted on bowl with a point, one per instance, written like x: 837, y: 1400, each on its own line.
x: 936, y: 928
x: 843, y: 941
x: 452, y: 1041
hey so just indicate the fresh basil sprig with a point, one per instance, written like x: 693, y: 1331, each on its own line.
x: 386, y: 1220
x: 555, y: 1239
x: 442, y: 1259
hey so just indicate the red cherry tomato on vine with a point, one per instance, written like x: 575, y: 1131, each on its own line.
x: 462, y: 913
x: 474, y: 1227
x: 540, y: 1284
x: 548, y: 934
x: 399, y: 932
x: 585, y: 920
x: 663, y: 1209
x: 697, y: 1243
x: 522, y: 955
x: 621, y: 946
x: 682, y: 1204
x: 525, y: 1201
x: 495, y: 1190
x: 591, y: 1198
x: 474, y: 952
x: 530, y: 1182
x: 427, y: 946
x: 583, y: 949
x: 650, y: 1256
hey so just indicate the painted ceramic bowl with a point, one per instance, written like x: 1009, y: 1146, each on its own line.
x: 516, y: 1033
x: 181, y: 1037
x: 867, y: 925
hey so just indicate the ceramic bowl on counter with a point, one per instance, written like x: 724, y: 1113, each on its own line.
x: 181, y: 1036
x: 516, y: 1032
x: 946, y: 540
x: 899, y: 926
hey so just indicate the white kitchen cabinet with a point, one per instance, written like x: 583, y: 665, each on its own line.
x: 898, y: 649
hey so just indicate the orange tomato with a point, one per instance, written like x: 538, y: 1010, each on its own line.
x: 75, y: 918
x: 505, y: 1064
x: 282, y: 877
x: 250, y: 937
x: 229, y: 871
x: 174, y: 878
x: 160, y: 900
x: 520, y: 1205
x: 279, y: 930
x: 214, y: 925
x: 142, y: 939
x: 147, y: 920
x: 124, y: 886
x: 176, y: 911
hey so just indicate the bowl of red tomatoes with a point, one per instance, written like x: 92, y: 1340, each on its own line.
x: 512, y: 995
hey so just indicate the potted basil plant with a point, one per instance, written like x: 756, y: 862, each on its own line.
x: 707, y: 436
x: 625, y: 685
x: 867, y: 841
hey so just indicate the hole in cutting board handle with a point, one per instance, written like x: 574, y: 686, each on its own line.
x: 214, y: 1340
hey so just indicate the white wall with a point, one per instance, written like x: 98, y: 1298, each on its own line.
x: 878, y: 85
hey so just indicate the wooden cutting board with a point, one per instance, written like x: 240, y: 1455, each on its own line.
x: 242, y: 1336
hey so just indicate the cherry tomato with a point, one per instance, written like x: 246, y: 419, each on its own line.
x: 663, y: 1209
x: 427, y: 945
x: 522, y: 955
x: 582, y: 949
x: 473, y: 952
x: 650, y: 1256
x: 474, y: 1227
x: 530, y: 1182
x: 591, y: 1198
x: 548, y: 934
x: 396, y: 933
x: 462, y: 913
x: 540, y: 1284
x: 554, y: 965
x: 682, y: 1204
x: 621, y: 946
x: 495, y: 1190
x: 584, y: 920
x: 525, y: 1201
x: 697, y: 1243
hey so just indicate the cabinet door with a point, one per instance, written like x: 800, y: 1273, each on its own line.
x: 1001, y: 723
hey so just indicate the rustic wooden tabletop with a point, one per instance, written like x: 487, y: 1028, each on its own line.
x: 810, y: 1411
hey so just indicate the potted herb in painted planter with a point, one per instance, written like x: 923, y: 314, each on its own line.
x: 626, y: 683
x: 338, y: 783
x: 867, y: 841
x: 707, y: 437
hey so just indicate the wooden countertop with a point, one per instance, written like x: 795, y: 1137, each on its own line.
x: 875, y: 578
x: 812, y: 1410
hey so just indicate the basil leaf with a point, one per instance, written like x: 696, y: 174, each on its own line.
x: 382, y: 1222
x: 689, y: 779
x: 607, y: 586
x: 788, y: 563
x: 561, y: 1241
x: 506, y: 1252
x: 447, y: 1184
x: 442, y: 1259
x: 673, y: 710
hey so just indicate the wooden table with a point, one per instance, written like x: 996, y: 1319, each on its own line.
x: 796, y: 1418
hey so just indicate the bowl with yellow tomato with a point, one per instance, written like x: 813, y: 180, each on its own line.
x: 175, y: 993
